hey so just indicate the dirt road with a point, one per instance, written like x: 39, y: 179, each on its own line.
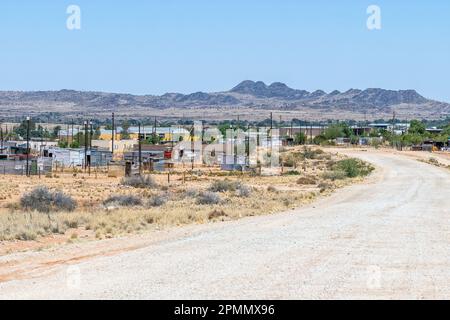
x: 387, y: 238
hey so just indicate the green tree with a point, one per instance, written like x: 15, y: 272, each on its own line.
x: 55, y: 132
x: 125, y: 126
x: 417, y: 127
x: 299, y: 138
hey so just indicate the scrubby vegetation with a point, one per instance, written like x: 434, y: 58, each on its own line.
x: 208, y: 198
x: 240, y: 189
x: 144, y: 182
x: 43, y: 200
x: 307, y: 180
x: 156, y: 201
x: 349, y: 168
x: 416, y: 134
x: 224, y: 185
x: 123, y: 201
x: 215, y: 214
x: 108, y: 206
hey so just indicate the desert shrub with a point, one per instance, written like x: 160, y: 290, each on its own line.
x: 239, y: 188
x: 306, y: 180
x: 156, y: 201
x: 243, y: 191
x: 330, y: 164
x: 292, y: 173
x: 309, y: 153
x: 39, y: 199
x: 123, y: 201
x: 334, y: 175
x: 42, y: 199
x: 353, y: 168
x: 64, y: 202
x: 224, y: 185
x: 208, y: 198
x: 144, y: 182
x: 324, y: 186
x: 433, y: 161
x: 289, y: 161
x: 216, y: 214
x: 191, y: 193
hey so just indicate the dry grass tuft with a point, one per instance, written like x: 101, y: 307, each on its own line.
x: 216, y: 213
x: 308, y: 180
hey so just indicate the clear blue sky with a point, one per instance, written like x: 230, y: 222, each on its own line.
x: 153, y: 47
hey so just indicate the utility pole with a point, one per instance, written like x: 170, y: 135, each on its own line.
x: 144, y: 134
x: 203, y: 132
x: 292, y: 128
x: 393, y: 128
x: 235, y: 137
x: 192, y: 147
x: 140, y: 149
x: 154, y: 131
x: 28, y: 146
x: 67, y: 136
x: 1, y: 137
x: 248, y: 144
x: 85, y: 145
x: 112, y: 137
x: 78, y: 136
x: 271, y: 121
x: 72, y: 133
x: 91, y: 133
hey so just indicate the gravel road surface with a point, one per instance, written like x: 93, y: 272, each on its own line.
x: 386, y: 238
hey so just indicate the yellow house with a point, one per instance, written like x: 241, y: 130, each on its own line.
x: 107, y: 135
x: 120, y: 146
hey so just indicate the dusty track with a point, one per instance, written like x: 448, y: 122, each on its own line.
x: 387, y: 238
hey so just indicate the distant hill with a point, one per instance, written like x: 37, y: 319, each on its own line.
x: 247, y: 94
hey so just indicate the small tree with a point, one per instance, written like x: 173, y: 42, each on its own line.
x: 125, y: 126
x: 299, y: 138
x: 417, y: 127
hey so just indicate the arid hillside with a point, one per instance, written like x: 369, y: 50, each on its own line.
x: 252, y: 100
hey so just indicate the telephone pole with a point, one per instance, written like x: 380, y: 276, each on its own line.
x: 91, y: 133
x: 140, y: 150
x: 271, y: 121
x: 1, y: 137
x: 112, y: 136
x: 72, y: 134
x: 85, y: 145
x: 28, y: 146
x: 192, y: 147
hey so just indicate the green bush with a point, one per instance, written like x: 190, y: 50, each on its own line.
x: 300, y: 138
x: 350, y: 168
